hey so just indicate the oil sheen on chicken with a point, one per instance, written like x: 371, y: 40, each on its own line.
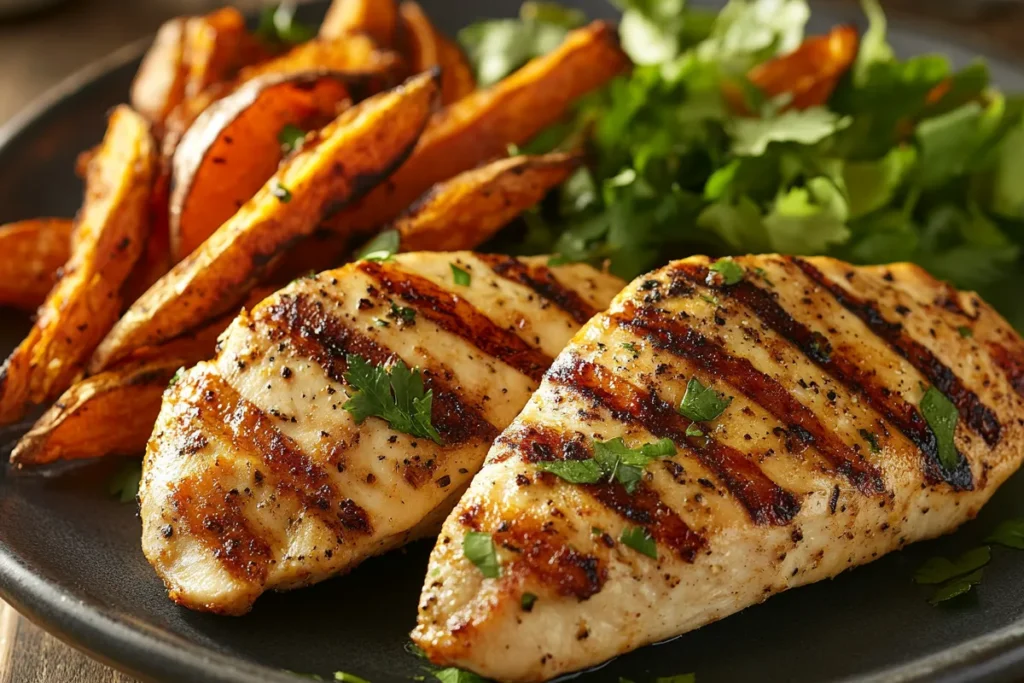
x: 257, y: 478
x: 828, y: 455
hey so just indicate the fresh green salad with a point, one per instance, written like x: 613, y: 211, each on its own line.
x: 905, y: 159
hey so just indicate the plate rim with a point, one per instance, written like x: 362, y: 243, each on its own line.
x: 147, y: 653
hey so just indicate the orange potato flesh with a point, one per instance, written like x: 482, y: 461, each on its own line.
x: 360, y: 148
x: 426, y: 47
x: 467, y: 210
x: 31, y: 253
x: 378, y: 19
x: 233, y: 149
x: 482, y: 125
x: 810, y: 73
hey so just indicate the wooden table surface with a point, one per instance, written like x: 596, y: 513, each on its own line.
x: 38, y: 51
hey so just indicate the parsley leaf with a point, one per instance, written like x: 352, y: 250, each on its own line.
x: 613, y: 461
x: 574, y: 471
x: 702, y: 404
x: 278, y: 25
x: 1009, y: 533
x: 730, y: 271
x: 631, y: 347
x: 281, y: 192
x: 941, y: 415
x: 124, y: 485
x: 955, y: 588
x: 176, y: 377
x: 940, y: 569
x: 640, y: 540
x: 871, y: 439
x: 460, y: 276
x: 348, y: 678
x: 965, y: 332
x: 383, y: 247
x: 478, y: 548
x: 394, y: 394
x: 291, y: 137
x: 453, y: 675
x: 402, y: 313
x: 527, y: 602
x: 693, y: 430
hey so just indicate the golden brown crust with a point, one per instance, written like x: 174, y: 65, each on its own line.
x: 31, y: 254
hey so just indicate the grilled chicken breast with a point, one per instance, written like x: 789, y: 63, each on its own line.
x: 257, y: 477
x: 826, y: 457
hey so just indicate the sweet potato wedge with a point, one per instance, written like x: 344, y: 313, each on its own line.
x: 159, y: 84
x: 482, y: 125
x: 425, y: 47
x: 112, y: 413
x: 467, y: 210
x: 235, y: 146
x: 109, y: 236
x: 351, y: 54
x: 810, y: 73
x: 31, y: 252
x: 378, y: 19
x: 349, y: 157
x: 217, y: 46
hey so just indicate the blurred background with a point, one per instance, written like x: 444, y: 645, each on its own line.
x: 42, y: 41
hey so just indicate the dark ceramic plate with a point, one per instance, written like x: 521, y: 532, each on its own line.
x: 70, y: 557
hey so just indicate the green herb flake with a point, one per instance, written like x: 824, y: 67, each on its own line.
x: 527, y: 601
x: 713, y: 300
x: 415, y: 650
x: 763, y: 274
x: 871, y: 439
x: 402, y: 313
x: 453, y: 675
x: 176, y: 377
x: 965, y: 332
x: 941, y: 415
x: 955, y: 588
x: 124, y: 485
x: 478, y: 548
x: 278, y: 26
x: 394, y: 394
x: 574, y: 471
x: 291, y: 137
x: 380, y: 322
x: 613, y: 461
x: 702, y: 404
x: 460, y: 276
x: 640, y: 540
x: 631, y: 347
x: 940, y: 569
x: 1009, y: 533
x: 693, y: 430
x: 281, y: 192
x: 383, y: 247
x: 349, y: 678
x: 729, y: 271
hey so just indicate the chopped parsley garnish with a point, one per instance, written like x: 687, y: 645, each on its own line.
x: 763, y: 274
x: 640, y: 540
x: 701, y: 403
x: 383, y: 247
x: 402, y: 313
x: 453, y: 675
x: 290, y: 136
x: 381, y: 322
x: 281, y: 192
x: 631, y: 347
x: 871, y: 439
x: 965, y: 332
x: 459, y: 276
x: 278, y: 25
x: 613, y: 461
x: 124, y: 485
x: 1009, y: 533
x: 953, y: 577
x: 693, y: 430
x: 730, y: 271
x: 349, y: 678
x: 713, y: 300
x: 478, y: 547
x: 395, y: 394
x: 526, y: 602
x: 176, y: 377
x: 941, y: 415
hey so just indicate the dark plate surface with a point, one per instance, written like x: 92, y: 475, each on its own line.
x: 70, y: 556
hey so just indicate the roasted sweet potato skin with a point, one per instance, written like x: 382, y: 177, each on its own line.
x: 31, y: 254
x: 377, y: 19
x: 108, y: 238
x: 467, y: 210
x: 482, y: 125
x: 352, y: 54
x: 349, y: 157
x: 810, y: 73
x: 426, y: 47
x: 159, y: 84
x: 112, y: 413
x: 234, y: 147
